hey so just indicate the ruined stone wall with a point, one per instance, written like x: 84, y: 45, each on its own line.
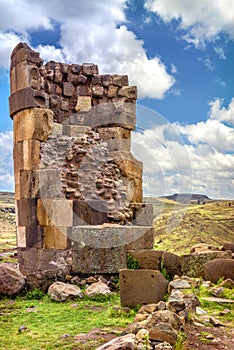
x: 74, y: 170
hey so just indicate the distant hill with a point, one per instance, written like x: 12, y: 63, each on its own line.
x: 187, y: 197
x: 180, y: 226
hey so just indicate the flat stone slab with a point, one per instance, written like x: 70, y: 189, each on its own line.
x: 218, y: 300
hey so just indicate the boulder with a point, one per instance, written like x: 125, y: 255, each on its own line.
x: 139, y: 287
x: 156, y: 259
x: 43, y: 279
x: 163, y: 332
x: 126, y: 342
x: 60, y: 291
x: 172, y: 264
x: 97, y: 288
x: 228, y: 246
x: 192, y: 264
x: 164, y: 316
x: 219, y: 268
x: 11, y: 279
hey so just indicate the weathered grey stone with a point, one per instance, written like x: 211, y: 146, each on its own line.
x: 11, y: 279
x: 125, y: 342
x: 178, y: 284
x: 97, y: 288
x: 89, y: 69
x: 192, y: 265
x: 219, y: 268
x: 42, y: 280
x: 164, y: 316
x: 60, y: 291
x: 163, y: 332
x: 139, y: 287
x: 143, y: 215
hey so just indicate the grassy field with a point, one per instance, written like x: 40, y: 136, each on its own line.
x: 45, y: 324
x: 178, y: 226
x: 7, y: 227
x: 33, y: 321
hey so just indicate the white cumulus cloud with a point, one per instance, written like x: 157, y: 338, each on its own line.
x: 90, y: 31
x: 6, y: 161
x: 203, y: 163
x: 202, y: 20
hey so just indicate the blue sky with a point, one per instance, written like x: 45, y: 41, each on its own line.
x: 179, y: 56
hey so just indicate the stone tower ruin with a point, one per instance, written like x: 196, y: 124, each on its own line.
x: 78, y: 189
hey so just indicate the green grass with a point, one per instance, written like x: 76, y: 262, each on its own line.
x: 50, y: 320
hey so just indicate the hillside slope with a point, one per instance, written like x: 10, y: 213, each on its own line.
x: 178, y: 227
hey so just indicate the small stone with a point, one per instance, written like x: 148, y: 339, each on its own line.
x: 216, y: 322
x: 97, y: 288
x: 97, y: 91
x: 67, y: 89
x: 91, y: 279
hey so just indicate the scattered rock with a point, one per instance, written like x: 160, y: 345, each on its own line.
x: 178, y: 284
x: 126, y: 342
x: 216, y: 292
x: 202, y: 247
x: 216, y: 322
x: 163, y: 346
x: 11, y: 279
x: 60, y: 291
x: 163, y: 332
x: 97, y: 288
x: 164, y: 316
x: 228, y: 283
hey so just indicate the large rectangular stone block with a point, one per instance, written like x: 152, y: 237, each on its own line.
x: 27, y: 98
x: 33, y: 123
x: 117, y: 138
x: 140, y: 237
x: 55, y: 238
x: 94, y: 247
x: 138, y: 287
x: 26, y: 155
x: 55, y: 212
x: 75, y: 130
x: 27, y: 212
x: 90, y: 212
x: 29, y: 183
x: 30, y: 237
x: 20, y: 76
x: 36, y: 260
x: 98, y: 260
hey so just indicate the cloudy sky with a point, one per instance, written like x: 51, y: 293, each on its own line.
x: 179, y: 53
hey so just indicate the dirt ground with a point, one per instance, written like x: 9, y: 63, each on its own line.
x: 209, y: 338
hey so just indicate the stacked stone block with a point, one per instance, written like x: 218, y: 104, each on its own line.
x: 74, y: 171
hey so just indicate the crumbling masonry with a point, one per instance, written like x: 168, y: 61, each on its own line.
x: 78, y: 188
